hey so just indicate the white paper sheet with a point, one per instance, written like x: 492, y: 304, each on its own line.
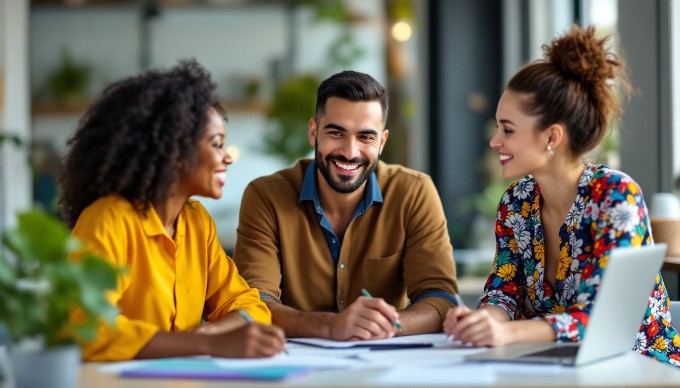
x: 429, y: 357
x: 436, y: 340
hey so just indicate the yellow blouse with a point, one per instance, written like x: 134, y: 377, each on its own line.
x: 168, y: 285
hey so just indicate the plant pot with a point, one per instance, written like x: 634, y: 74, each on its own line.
x: 6, y: 380
x: 57, y: 367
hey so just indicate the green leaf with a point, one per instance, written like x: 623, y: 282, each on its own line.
x: 6, y: 271
x: 46, y: 235
x: 99, y: 272
x: 41, y: 243
x: 109, y: 313
x: 70, y: 79
x: 21, y: 247
x: 86, y: 331
x: 291, y: 108
x: 11, y: 138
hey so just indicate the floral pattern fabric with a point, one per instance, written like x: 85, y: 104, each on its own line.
x: 609, y: 211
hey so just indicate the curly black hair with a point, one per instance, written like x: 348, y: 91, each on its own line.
x: 135, y: 136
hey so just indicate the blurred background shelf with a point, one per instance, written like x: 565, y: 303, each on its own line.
x: 77, y: 108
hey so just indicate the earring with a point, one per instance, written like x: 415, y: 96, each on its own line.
x: 550, y: 151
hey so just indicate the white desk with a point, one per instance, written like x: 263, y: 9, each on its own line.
x: 631, y: 370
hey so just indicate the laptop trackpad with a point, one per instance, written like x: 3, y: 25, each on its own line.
x: 559, y: 354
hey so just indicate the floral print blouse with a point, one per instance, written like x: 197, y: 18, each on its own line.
x: 609, y: 211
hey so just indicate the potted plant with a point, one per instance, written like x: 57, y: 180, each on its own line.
x: 291, y: 107
x: 294, y: 96
x: 43, y: 291
x: 69, y: 80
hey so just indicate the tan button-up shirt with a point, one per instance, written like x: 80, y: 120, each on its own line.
x: 399, y: 250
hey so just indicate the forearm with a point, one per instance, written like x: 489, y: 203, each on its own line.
x: 420, y: 318
x: 496, y: 312
x: 523, y: 330
x: 177, y: 344
x: 297, y: 323
x: 530, y: 330
x: 227, y: 323
x: 247, y: 341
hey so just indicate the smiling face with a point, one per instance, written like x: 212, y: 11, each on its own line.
x: 522, y: 148
x: 208, y: 174
x: 348, y: 140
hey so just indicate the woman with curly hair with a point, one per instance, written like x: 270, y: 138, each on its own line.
x: 556, y: 227
x: 147, y: 145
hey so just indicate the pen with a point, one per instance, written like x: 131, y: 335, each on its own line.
x: 459, y: 300
x: 459, y: 303
x: 244, y: 314
x: 367, y: 294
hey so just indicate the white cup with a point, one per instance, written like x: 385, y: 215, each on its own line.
x: 665, y: 205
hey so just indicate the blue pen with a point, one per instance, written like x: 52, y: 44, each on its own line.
x: 367, y: 294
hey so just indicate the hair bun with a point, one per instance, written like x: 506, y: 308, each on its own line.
x: 581, y: 55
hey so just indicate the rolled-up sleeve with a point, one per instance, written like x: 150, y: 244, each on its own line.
x: 257, y: 249
x: 429, y: 268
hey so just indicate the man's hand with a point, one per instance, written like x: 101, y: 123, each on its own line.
x: 365, y: 319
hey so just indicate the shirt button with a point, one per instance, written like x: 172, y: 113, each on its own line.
x: 333, y: 240
x: 342, y: 302
x: 342, y: 266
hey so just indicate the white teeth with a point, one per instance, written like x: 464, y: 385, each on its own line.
x: 505, y: 157
x: 347, y: 166
x: 220, y: 175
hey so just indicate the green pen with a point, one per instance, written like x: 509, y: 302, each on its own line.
x: 244, y: 314
x: 459, y: 300
x: 367, y: 294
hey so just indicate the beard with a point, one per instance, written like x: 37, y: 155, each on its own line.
x: 343, y: 184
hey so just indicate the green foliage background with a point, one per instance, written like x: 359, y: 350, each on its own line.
x: 41, y: 287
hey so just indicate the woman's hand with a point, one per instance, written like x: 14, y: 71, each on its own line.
x: 476, y: 327
x: 248, y: 341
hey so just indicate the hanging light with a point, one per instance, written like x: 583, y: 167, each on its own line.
x: 401, y: 31
x: 234, y: 152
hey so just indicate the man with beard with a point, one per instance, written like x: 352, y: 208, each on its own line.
x: 313, y: 237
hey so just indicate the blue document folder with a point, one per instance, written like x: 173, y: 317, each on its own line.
x: 205, y: 368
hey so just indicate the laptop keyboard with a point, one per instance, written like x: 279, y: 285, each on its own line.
x: 558, y: 352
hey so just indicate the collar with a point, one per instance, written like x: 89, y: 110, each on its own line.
x: 153, y: 226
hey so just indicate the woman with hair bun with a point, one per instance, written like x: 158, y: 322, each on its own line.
x: 556, y: 226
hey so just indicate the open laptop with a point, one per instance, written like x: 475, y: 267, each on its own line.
x: 615, y: 318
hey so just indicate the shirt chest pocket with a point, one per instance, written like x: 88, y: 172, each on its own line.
x: 384, y: 277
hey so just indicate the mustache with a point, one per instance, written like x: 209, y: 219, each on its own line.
x: 343, y: 159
